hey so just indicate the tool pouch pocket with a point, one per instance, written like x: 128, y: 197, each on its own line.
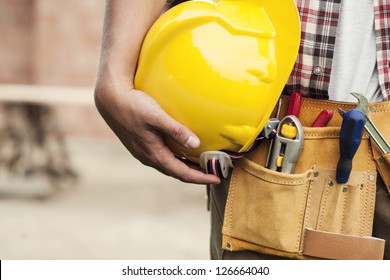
x: 380, y: 114
x: 265, y: 210
x: 299, y: 215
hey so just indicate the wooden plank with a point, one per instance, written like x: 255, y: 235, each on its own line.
x: 42, y: 94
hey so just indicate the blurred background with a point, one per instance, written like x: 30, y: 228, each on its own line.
x: 68, y: 188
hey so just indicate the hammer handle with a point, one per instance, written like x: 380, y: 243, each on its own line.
x: 350, y: 137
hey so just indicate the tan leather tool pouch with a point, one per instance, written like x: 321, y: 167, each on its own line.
x: 307, y: 214
x: 380, y: 116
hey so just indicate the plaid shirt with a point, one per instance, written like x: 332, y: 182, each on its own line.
x: 311, y: 73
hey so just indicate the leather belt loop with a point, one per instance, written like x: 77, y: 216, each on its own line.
x: 342, y: 247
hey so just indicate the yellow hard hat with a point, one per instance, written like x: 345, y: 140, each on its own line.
x: 219, y: 67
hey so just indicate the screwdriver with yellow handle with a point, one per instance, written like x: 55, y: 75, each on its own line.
x: 288, y: 142
x: 286, y: 150
x: 288, y: 130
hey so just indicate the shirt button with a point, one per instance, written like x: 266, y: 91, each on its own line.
x: 317, y: 70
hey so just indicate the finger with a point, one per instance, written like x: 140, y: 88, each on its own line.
x: 189, y: 163
x: 185, y: 173
x: 161, y: 158
x: 174, y: 167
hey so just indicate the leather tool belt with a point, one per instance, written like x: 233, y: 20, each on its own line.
x: 307, y: 214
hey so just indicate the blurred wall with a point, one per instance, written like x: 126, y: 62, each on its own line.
x: 55, y: 42
x: 50, y: 42
x: 67, y: 41
x: 16, y: 37
x: 121, y: 204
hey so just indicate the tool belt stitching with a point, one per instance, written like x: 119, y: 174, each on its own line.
x: 303, y: 241
x: 373, y: 170
x: 230, y: 203
x: 322, y: 103
x: 308, y: 207
x: 362, y: 217
x: 378, y: 106
x: 380, y: 111
x: 312, y: 108
x: 302, y: 218
x: 313, y: 134
x: 321, y: 217
x: 308, y: 135
x: 285, y: 182
x: 342, y: 228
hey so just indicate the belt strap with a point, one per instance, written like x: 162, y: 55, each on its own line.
x: 342, y: 247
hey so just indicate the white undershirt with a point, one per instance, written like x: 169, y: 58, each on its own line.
x: 354, y: 63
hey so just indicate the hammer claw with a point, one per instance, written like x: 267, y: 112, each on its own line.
x: 362, y: 102
x: 383, y: 145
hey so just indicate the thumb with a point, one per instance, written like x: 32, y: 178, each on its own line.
x: 179, y: 132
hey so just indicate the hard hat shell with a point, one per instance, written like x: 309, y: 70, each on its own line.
x: 220, y: 67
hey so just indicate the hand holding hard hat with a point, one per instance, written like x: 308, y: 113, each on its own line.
x: 219, y: 68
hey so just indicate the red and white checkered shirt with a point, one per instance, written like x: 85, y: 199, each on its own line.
x: 319, y: 18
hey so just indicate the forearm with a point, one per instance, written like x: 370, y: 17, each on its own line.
x: 125, y: 26
x: 135, y: 117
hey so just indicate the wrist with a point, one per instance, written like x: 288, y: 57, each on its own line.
x: 110, y: 76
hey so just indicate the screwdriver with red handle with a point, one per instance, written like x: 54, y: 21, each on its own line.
x: 323, y: 118
x: 350, y: 137
x: 294, y: 106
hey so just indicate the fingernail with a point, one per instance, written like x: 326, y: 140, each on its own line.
x: 192, y: 142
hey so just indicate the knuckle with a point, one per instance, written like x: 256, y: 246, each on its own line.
x: 185, y: 179
x: 153, y: 118
x: 177, y: 132
x: 186, y: 176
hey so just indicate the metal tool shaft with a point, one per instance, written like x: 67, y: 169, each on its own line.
x: 376, y: 136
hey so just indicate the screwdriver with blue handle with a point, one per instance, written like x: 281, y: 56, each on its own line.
x: 350, y: 137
